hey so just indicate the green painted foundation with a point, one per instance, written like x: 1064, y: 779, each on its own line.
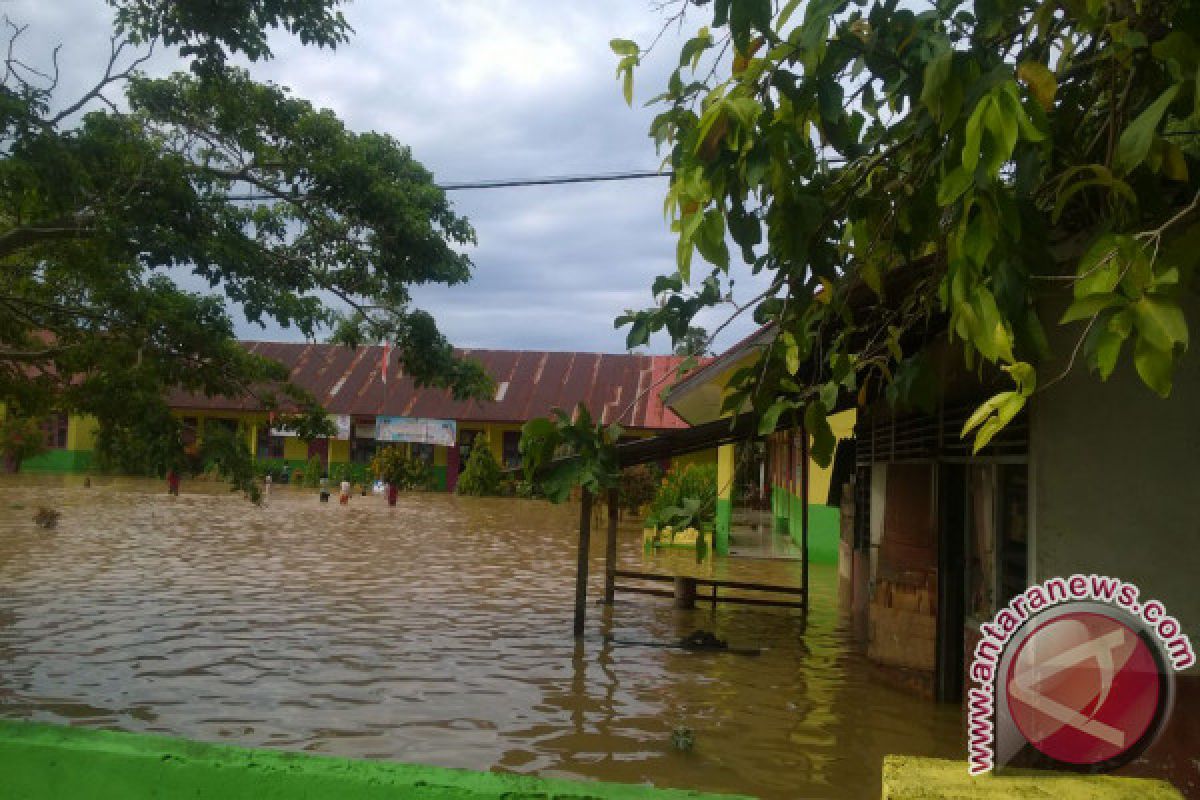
x: 824, y: 525
x: 49, y: 762
x: 59, y: 462
x: 912, y: 778
x: 723, y: 523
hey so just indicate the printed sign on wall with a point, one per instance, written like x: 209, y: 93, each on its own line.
x: 422, y: 430
x: 341, y: 422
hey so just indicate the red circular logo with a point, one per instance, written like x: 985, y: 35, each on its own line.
x: 1084, y: 688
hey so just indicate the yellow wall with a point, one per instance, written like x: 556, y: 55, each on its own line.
x: 700, y: 458
x: 294, y: 449
x: 842, y: 424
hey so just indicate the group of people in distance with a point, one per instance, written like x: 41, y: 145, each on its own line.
x: 344, y: 489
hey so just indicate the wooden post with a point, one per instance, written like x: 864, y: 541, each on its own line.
x: 685, y: 592
x: 610, y: 549
x: 804, y: 471
x: 581, y: 569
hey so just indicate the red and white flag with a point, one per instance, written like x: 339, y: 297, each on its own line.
x: 383, y: 362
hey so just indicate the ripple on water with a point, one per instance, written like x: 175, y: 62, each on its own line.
x: 435, y: 632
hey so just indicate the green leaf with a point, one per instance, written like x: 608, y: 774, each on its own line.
x: 624, y: 47
x: 974, y: 134
x: 1160, y: 322
x: 1105, y: 351
x: 953, y: 185
x: 816, y: 424
x: 1099, y: 270
x: 627, y: 86
x: 1154, y: 366
x: 937, y: 73
x: 770, y: 418
x: 1089, y: 306
x: 1041, y: 82
x: 1137, y: 137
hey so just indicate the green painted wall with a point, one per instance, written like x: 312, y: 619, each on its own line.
x: 824, y: 525
x: 59, y: 461
x: 47, y: 762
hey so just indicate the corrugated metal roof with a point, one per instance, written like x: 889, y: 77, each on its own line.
x: 347, y: 381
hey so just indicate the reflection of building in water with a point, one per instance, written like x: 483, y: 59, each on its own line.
x: 435, y: 428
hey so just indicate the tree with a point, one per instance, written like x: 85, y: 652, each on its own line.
x: 20, y: 438
x: 481, y: 476
x: 105, y: 201
x: 967, y: 168
x: 693, y: 343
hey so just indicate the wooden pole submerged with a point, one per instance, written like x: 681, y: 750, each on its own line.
x: 581, y: 568
x: 804, y: 471
x: 610, y: 549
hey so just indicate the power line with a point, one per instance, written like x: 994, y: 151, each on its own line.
x: 557, y: 179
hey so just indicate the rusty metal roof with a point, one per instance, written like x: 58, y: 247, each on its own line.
x: 615, y: 387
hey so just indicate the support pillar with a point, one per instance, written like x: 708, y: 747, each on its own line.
x: 581, y: 566
x: 685, y: 592
x: 610, y: 549
x: 725, y: 470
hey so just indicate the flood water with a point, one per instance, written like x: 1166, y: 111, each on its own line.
x: 437, y: 632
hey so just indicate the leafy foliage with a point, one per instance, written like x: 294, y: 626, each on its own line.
x: 20, y: 438
x: 959, y: 172
x: 271, y: 201
x: 481, y: 475
x: 563, y: 452
x: 686, y: 498
x: 313, y: 471
x: 639, y: 485
x: 391, y: 465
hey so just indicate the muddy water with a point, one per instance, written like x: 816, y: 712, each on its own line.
x: 435, y: 632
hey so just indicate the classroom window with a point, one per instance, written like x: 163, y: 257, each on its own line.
x: 268, y: 446
x: 511, y: 449
x: 54, y: 431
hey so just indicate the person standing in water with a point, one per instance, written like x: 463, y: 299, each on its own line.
x: 324, y: 488
x: 172, y: 482
x: 267, y: 480
x: 344, y: 496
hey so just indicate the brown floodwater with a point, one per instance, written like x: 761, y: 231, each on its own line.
x: 437, y: 632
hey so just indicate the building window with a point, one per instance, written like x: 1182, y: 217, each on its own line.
x: 466, y: 440
x: 54, y: 431
x: 997, y: 526
x: 268, y: 446
x: 362, y: 450
x: 511, y: 449
x: 422, y: 452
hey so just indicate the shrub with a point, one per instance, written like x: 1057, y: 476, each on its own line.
x: 686, y: 498
x: 391, y: 465
x: 639, y: 485
x: 482, y: 474
x: 312, y: 472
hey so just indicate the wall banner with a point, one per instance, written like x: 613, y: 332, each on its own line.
x: 341, y: 422
x: 422, y: 430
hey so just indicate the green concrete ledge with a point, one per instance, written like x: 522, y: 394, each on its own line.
x: 40, y: 762
x: 912, y: 778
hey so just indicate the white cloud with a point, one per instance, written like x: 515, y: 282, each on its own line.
x: 484, y: 89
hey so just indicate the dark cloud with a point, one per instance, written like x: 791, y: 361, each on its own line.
x: 483, y: 90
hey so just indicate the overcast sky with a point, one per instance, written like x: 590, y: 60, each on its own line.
x: 486, y: 89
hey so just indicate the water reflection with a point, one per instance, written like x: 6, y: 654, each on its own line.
x: 437, y: 632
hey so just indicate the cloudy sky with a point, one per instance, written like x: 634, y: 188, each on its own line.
x: 485, y: 89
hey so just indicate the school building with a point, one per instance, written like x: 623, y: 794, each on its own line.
x: 698, y: 399
x: 370, y: 411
